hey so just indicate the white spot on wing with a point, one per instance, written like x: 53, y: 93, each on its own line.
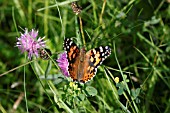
x: 106, y: 47
x: 70, y: 43
x: 101, y: 49
x: 103, y: 54
x: 94, y: 51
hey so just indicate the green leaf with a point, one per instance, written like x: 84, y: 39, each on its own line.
x: 75, y: 110
x: 120, y: 91
x: 91, y: 91
x: 137, y: 100
x: 135, y: 92
x: 82, y: 97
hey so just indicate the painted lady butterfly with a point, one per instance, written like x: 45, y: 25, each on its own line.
x: 83, y: 66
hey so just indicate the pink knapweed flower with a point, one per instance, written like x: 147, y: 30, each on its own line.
x: 30, y: 43
x: 63, y: 63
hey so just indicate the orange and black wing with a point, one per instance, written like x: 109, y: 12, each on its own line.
x: 93, y: 59
x: 73, y: 54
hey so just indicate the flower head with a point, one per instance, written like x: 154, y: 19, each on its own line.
x: 28, y: 42
x: 74, y: 86
x: 116, y: 79
x: 63, y: 63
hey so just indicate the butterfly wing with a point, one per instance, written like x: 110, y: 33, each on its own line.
x: 93, y: 59
x: 73, y: 54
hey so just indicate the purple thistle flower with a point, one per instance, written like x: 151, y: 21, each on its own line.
x: 28, y: 42
x: 63, y: 63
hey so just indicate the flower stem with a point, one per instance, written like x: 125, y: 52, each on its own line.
x: 16, y: 68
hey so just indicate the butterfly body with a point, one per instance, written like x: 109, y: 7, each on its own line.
x: 83, y: 66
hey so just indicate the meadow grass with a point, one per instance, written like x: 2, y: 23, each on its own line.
x: 133, y: 79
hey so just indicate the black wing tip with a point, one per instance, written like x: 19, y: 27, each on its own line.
x: 67, y: 42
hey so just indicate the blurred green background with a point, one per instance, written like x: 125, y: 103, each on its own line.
x: 138, y: 30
